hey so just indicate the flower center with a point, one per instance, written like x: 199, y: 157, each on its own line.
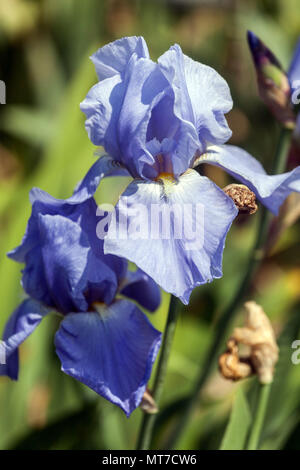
x: 101, y: 308
x: 165, y: 178
x: 168, y: 182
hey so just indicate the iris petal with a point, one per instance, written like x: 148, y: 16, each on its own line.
x: 128, y: 112
x: 270, y: 190
x: 112, y: 351
x: 113, y: 58
x: 202, y: 95
x: 65, y: 251
x: 145, y: 87
x: 70, y: 265
x: 102, y: 107
x: 20, y: 325
x: 65, y: 266
x: 103, y: 167
x: 140, y: 287
x: 118, y: 112
x: 175, y: 232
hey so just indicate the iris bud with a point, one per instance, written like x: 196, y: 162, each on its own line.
x: 273, y: 83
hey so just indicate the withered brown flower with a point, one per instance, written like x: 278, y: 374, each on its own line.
x: 259, y: 336
x: 243, y: 198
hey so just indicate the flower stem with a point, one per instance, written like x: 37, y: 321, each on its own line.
x: 259, y: 417
x: 146, y: 431
x: 226, y: 318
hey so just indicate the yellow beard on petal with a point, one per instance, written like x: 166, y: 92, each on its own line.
x: 168, y: 180
x: 101, y: 308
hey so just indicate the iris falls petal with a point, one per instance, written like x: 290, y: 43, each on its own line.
x: 111, y: 351
x: 20, y: 325
x: 174, y: 231
x: 271, y: 190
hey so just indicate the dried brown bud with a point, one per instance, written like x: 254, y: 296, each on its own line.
x: 258, y: 334
x: 148, y: 404
x: 243, y: 197
x: 231, y: 365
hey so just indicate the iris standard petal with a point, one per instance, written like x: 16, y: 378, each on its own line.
x: 118, y: 111
x: 20, y: 325
x: 146, y: 86
x: 125, y: 114
x: 172, y: 140
x: 113, y: 58
x: 100, y: 279
x: 173, y: 231
x: 140, y: 287
x: 84, y: 214
x: 65, y: 266
x: 104, y: 166
x: 102, y: 107
x: 34, y: 280
x: 75, y: 275
x: 202, y: 95
x: 156, y: 106
x: 44, y: 203
x: 111, y: 351
x: 271, y: 190
x: 65, y: 249
x: 29, y: 241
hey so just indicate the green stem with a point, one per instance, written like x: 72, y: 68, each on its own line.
x: 259, y: 417
x: 148, y: 422
x: 225, y: 320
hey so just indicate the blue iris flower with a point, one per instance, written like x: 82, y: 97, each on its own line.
x: 157, y: 121
x: 104, y: 340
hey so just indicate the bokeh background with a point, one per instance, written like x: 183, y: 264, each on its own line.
x: 44, y: 48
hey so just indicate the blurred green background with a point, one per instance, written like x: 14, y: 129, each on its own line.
x: 44, y: 49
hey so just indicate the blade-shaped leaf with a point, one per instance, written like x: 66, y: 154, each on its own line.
x: 238, y: 425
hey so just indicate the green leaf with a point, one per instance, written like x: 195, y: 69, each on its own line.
x: 282, y: 414
x: 239, y: 424
x: 32, y: 125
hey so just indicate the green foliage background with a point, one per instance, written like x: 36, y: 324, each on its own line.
x: 44, y: 50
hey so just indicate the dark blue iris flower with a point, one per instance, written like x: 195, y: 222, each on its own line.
x: 294, y: 69
x: 262, y: 54
x: 294, y: 79
x: 104, y: 340
x: 289, y: 83
x: 157, y: 121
